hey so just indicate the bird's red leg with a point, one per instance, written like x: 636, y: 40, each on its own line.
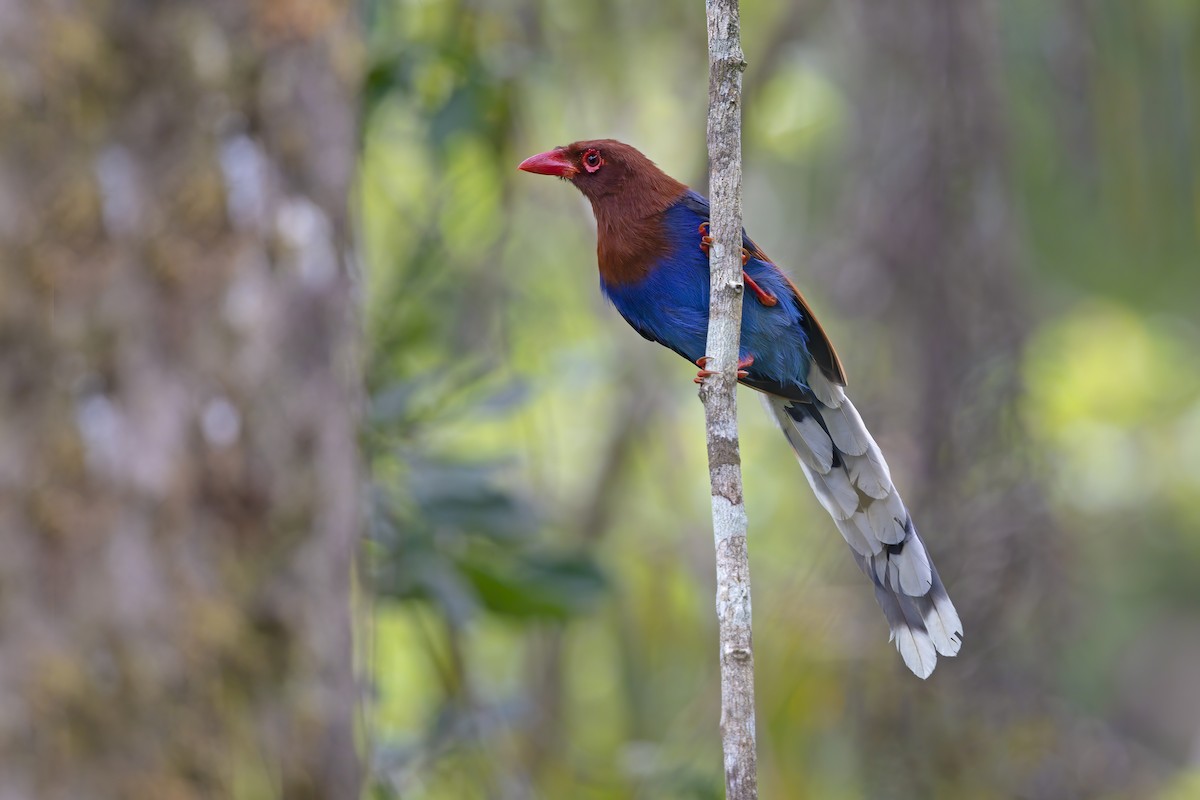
x: 764, y: 297
x: 704, y: 373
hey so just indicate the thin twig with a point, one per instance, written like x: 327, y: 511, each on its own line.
x: 719, y: 394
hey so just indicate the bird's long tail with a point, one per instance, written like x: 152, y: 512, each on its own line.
x: 851, y: 479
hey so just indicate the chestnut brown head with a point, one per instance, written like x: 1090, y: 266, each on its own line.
x: 606, y: 170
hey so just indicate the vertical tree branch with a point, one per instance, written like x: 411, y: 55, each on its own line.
x: 719, y: 394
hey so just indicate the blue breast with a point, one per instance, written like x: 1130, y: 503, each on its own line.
x: 670, y: 305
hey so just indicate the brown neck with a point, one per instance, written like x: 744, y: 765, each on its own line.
x: 629, y: 234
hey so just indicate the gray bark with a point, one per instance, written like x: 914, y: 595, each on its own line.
x: 719, y: 394
x: 179, y: 473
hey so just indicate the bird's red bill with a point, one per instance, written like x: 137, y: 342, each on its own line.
x: 553, y: 162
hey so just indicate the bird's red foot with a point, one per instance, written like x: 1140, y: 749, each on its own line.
x: 705, y: 373
x: 705, y: 240
x: 764, y: 297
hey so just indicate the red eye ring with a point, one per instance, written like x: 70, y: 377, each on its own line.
x: 592, y: 160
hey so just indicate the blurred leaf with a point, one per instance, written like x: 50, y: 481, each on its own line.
x: 387, y: 75
x: 538, y: 585
x: 464, y: 499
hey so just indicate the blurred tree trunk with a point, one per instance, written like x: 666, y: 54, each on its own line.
x: 178, y: 399
x: 932, y: 215
x: 933, y: 223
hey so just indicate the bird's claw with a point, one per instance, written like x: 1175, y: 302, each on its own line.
x: 706, y: 241
x: 764, y: 297
x: 707, y: 373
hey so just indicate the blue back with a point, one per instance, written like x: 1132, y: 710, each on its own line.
x: 670, y: 305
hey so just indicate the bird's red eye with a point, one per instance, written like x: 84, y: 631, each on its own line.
x: 592, y: 160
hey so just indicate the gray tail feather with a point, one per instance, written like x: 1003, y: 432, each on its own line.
x: 851, y: 480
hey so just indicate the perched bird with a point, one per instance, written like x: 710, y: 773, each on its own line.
x: 652, y: 247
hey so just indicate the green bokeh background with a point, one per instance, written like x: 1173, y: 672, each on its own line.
x: 542, y: 623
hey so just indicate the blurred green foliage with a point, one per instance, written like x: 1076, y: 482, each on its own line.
x: 540, y: 545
